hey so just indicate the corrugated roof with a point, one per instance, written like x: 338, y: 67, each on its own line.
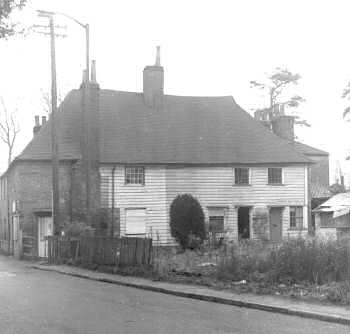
x: 189, y: 130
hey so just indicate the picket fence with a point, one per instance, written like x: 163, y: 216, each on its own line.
x: 100, y: 250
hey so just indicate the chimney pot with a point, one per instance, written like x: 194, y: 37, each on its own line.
x: 37, y: 120
x: 93, y: 71
x: 43, y: 120
x: 158, y: 56
x: 37, y: 125
x: 153, y: 83
x: 84, y: 77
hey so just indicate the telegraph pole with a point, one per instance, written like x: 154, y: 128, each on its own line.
x: 54, y: 144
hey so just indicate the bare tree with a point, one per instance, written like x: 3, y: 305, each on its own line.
x: 9, y: 129
x: 46, y: 100
x: 7, y: 26
x: 346, y: 95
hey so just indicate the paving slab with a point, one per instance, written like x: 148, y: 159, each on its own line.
x: 336, y: 314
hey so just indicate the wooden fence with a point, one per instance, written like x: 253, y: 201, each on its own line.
x: 109, y: 251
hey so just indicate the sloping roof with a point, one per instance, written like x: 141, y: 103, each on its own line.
x: 338, y: 203
x: 308, y: 150
x: 189, y: 130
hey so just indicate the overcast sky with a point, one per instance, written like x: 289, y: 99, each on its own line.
x: 207, y: 48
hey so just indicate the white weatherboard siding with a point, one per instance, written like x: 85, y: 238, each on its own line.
x: 212, y: 186
x: 151, y: 197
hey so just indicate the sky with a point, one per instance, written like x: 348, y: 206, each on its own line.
x: 207, y: 48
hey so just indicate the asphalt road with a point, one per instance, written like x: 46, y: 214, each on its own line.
x: 38, y: 302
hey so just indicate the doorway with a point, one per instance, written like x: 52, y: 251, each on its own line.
x: 243, y: 222
x: 45, y: 228
x: 276, y: 224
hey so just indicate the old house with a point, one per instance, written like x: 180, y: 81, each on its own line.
x: 318, y: 174
x: 125, y: 156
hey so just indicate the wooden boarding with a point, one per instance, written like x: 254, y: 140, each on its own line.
x: 99, y: 250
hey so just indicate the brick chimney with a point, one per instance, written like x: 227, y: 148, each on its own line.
x: 37, y: 125
x: 86, y: 188
x: 283, y: 126
x: 153, y: 83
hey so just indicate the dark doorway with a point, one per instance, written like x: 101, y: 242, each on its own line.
x: 243, y: 223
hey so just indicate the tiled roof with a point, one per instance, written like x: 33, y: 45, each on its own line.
x: 308, y: 150
x: 189, y: 130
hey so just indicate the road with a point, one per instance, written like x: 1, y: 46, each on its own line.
x: 38, y: 302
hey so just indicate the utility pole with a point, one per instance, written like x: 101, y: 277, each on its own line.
x: 54, y: 144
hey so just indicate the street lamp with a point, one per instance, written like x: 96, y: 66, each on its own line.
x: 87, y: 35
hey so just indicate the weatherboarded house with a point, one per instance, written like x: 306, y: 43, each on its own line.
x: 138, y: 151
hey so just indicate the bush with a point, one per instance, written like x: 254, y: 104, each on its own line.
x: 77, y: 229
x: 187, y: 221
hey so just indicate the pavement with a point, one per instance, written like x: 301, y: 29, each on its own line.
x: 328, y: 313
x: 41, y: 301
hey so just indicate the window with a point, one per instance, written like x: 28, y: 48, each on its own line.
x: 216, y: 224
x: 216, y: 220
x: 275, y: 175
x: 241, y: 175
x: 296, y: 217
x: 135, y: 222
x: 134, y: 175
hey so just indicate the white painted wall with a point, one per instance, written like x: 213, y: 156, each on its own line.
x: 212, y: 186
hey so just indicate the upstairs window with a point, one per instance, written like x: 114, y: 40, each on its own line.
x: 296, y: 217
x: 275, y: 175
x: 135, y: 175
x: 241, y: 175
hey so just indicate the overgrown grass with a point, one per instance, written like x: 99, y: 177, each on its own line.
x: 319, y: 269
x: 313, y: 261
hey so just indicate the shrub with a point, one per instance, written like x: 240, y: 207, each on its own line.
x: 187, y: 221
x: 77, y: 229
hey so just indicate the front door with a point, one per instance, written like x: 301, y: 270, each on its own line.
x: 276, y: 224
x: 45, y: 228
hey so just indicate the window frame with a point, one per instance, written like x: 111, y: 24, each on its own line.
x: 127, y: 179
x: 298, y: 220
x: 270, y: 179
x: 217, y: 212
x: 237, y: 175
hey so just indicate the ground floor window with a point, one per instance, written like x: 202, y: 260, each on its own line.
x: 216, y: 223
x: 135, y: 222
x: 296, y: 217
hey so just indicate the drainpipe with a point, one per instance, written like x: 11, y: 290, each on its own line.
x: 113, y: 196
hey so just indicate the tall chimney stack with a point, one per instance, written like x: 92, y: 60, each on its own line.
x: 283, y: 126
x: 93, y: 71
x: 37, y: 125
x: 153, y: 83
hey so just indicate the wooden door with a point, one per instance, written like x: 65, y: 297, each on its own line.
x: 276, y: 224
x: 45, y: 228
